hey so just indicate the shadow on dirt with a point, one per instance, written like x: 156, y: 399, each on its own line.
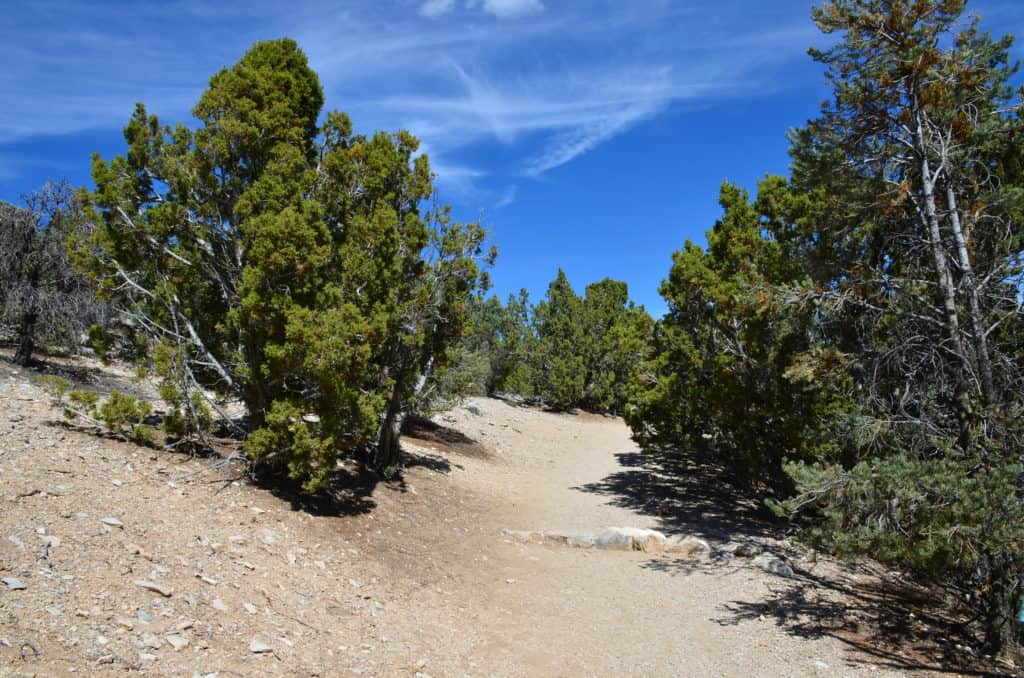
x: 82, y: 376
x: 431, y: 434
x: 891, y: 624
x: 688, y: 494
x: 351, y: 492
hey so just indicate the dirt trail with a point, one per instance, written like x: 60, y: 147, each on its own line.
x: 392, y: 579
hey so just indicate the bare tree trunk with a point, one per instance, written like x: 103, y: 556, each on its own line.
x: 974, y: 304
x: 26, y: 338
x: 947, y: 289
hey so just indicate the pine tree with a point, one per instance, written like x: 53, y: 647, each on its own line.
x: 916, y: 154
x: 559, y: 365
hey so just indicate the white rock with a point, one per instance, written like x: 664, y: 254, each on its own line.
x: 151, y: 641
x: 259, y: 647
x: 631, y: 539
x: 14, y: 584
x: 177, y: 642
x: 219, y: 604
x: 687, y: 545
x: 112, y: 522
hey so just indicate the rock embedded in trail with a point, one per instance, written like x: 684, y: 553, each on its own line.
x: 14, y: 584
x: 772, y: 564
x: 615, y: 539
x: 688, y: 545
x: 631, y: 539
x: 259, y: 647
x: 177, y: 642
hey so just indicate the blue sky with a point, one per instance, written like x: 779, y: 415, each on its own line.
x: 591, y: 135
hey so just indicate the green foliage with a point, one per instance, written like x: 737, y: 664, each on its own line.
x: 559, y: 365
x: 119, y: 414
x: 937, y: 516
x: 566, y: 352
x: 287, y: 264
x: 100, y: 341
x: 734, y: 368
x: 854, y: 333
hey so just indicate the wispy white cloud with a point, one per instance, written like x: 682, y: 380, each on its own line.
x: 507, y: 197
x: 432, y: 9
x: 584, y: 137
x: 506, y: 9
x: 490, y: 99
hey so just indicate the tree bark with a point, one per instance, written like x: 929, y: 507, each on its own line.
x: 947, y: 290
x: 1001, y: 606
x: 978, y: 334
x: 388, y: 449
x: 26, y: 339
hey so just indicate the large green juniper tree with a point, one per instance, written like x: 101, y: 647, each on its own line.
x: 284, y: 263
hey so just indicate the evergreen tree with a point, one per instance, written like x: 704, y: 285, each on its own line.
x: 916, y: 151
x: 559, y: 363
x: 731, y: 369
x: 614, y: 338
x: 283, y: 263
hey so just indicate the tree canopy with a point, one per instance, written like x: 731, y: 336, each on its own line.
x: 284, y: 262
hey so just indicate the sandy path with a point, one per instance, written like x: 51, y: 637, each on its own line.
x: 548, y: 610
x: 388, y: 579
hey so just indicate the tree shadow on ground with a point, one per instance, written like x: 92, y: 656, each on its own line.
x: 351, y: 491
x: 86, y: 377
x: 688, y: 493
x: 431, y: 434
x: 890, y: 624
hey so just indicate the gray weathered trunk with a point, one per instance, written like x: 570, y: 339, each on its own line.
x: 978, y: 334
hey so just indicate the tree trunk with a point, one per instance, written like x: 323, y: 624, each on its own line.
x: 1001, y: 605
x: 26, y: 339
x: 388, y: 449
x: 947, y: 290
x: 973, y: 302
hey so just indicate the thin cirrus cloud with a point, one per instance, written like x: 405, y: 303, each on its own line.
x: 502, y: 9
x: 543, y: 83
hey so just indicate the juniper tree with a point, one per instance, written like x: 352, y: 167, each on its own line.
x: 614, y: 338
x: 284, y: 263
x: 734, y: 369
